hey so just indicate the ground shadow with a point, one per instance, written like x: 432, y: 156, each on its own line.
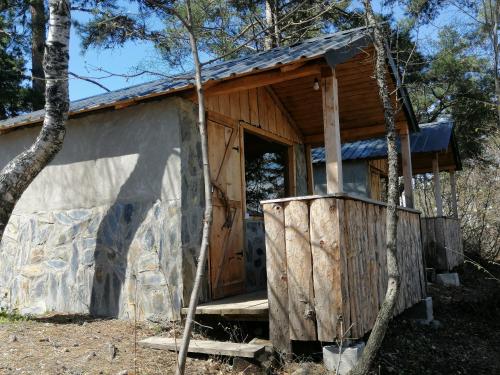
x: 66, y: 319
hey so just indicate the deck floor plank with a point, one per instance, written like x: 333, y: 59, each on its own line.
x: 255, y: 303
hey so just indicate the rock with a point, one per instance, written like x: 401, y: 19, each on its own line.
x: 111, y: 351
x: 301, y: 371
x: 44, y: 339
x: 123, y: 372
x: 65, y: 350
x: 91, y: 355
x: 12, y: 338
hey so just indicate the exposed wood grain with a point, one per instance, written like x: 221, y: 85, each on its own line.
x: 251, y: 304
x: 299, y: 272
x: 277, y: 285
x: 442, y: 242
x: 230, y: 349
x: 324, y: 227
x: 333, y: 163
x: 347, y: 243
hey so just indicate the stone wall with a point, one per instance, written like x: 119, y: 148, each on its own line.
x: 255, y: 254
x: 99, y: 230
x: 193, y: 200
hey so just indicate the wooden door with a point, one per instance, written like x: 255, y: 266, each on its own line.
x: 226, y: 260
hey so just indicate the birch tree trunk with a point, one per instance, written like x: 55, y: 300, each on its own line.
x: 496, y: 51
x: 272, y: 34
x: 16, y: 176
x: 37, y: 11
x: 207, y: 223
x: 394, y: 280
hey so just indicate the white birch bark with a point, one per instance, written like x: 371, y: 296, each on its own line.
x: 394, y: 279
x: 207, y: 222
x: 16, y: 176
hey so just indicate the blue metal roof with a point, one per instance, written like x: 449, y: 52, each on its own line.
x: 432, y: 137
x: 344, y: 44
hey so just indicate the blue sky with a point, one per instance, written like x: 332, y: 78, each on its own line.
x: 123, y: 60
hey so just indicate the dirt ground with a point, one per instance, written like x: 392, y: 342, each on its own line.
x: 465, y: 340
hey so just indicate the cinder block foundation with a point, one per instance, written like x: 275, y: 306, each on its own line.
x: 448, y: 279
x: 347, y: 358
x: 422, y: 311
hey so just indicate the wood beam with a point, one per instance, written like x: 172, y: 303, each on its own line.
x: 407, y: 168
x: 453, y: 188
x: 310, y: 171
x: 292, y: 179
x: 331, y: 123
x: 437, y: 186
x: 350, y: 135
x: 283, y: 109
x: 262, y: 79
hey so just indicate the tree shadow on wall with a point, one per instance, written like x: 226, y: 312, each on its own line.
x: 121, y: 222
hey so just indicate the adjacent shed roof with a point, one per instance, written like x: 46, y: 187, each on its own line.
x: 343, y: 43
x: 432, y: 137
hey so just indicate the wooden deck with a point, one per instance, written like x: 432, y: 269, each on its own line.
x: 250, y: 306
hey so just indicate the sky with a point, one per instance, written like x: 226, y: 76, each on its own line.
x: 122, y: 60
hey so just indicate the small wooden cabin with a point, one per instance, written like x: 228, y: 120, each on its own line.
x: 115, y: 220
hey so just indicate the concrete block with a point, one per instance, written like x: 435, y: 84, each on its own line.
x: 422, y: 311
x: 448, y: 279
x: 348, y: 357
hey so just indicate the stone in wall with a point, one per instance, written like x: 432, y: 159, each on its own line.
x: 255, y: 255
x: 101, y: 260
x: 192, y: 201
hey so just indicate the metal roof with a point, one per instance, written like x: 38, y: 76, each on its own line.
x: 337, y: 47
x: 432, y: 137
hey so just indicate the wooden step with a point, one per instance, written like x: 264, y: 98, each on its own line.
x: 230, y: 349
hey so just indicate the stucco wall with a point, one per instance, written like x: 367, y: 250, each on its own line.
x: 100, y: 228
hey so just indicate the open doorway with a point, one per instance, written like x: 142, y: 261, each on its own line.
x: 266, y: 177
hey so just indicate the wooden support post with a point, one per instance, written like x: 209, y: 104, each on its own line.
x: 453, y: 185
x: 331, y: 123
x: 437, y: 186
x: 292, y: 175
x: 310, y: 171
x: 404, y: 137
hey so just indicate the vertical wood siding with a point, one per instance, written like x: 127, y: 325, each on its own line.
x: 442, y: 242
x: 336, y: 274
x: 257, y: 108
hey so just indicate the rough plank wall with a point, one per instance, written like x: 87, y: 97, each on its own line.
x: 341, y: 247
x: 442, y: 241
x: 255, y: 107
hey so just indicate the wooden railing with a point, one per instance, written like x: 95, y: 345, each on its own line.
x: 326, y: 266
x: 442, y: 242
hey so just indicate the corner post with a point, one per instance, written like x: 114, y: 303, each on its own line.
x: 310, y: 170
x: 437, y: 186
x: 331, y: 123
x: 453, y: 186
x: 404, y: 137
